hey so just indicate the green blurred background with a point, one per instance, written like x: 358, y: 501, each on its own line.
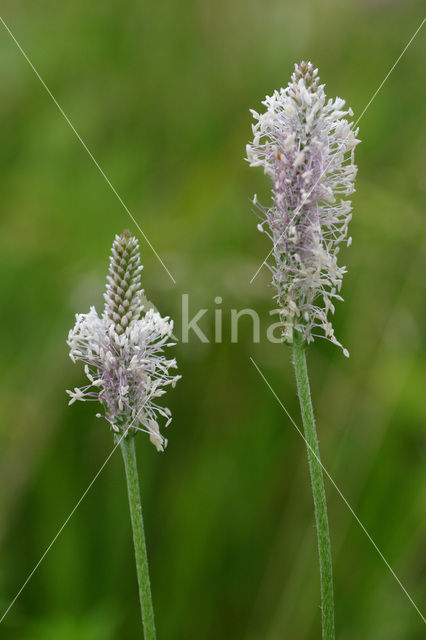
x: 160, y: 92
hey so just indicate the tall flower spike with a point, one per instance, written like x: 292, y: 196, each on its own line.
x: 306, y: 146
x: 123, y: 350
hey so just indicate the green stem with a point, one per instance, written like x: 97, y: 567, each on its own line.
x: 318, y: 490
x: 129, y: 456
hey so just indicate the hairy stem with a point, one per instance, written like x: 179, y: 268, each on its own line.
x: 129, y: 456
x: 318, y: 490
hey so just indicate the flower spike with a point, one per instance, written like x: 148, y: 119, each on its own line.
x: 306, y: 146
x: 123, y: 350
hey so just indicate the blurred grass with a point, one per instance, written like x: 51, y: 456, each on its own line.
x: 160, y: 92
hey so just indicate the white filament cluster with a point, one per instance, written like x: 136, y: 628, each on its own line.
x: 123, y: 351
x: 306, y: 146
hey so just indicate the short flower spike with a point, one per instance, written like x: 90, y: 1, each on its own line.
x: 306, y: 145
x: 123, y: 350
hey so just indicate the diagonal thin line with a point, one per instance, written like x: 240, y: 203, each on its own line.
x: 391, y: 69
x: 389, y: 321
x: 352, y: 127
x: 339, y: 492
x: 59, y: 532
x: 72, y: 512
x: 84, y: 145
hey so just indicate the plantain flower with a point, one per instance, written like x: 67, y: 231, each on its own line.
x: 306, y: 146
x: 123, y: 350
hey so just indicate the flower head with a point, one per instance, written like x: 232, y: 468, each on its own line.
x: 306, y: 146
x: 123, y: 350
